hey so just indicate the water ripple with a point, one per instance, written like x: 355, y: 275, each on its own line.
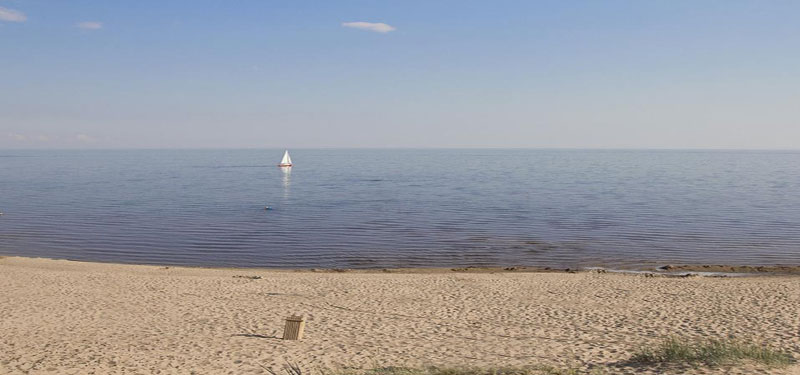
x: 403, y: 208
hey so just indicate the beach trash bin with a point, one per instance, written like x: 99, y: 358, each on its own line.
x: 293, y: 330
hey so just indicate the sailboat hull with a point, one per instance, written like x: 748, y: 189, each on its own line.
x: 284, y: 165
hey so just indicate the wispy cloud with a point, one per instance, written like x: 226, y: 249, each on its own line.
x: 89, y: 25
x: 85, y: 138
x: 28, y: 138
x: 12, y: 15
x: 370, y: 26
x: 18, y: 137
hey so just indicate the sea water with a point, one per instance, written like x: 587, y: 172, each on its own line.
x: 363, y: 208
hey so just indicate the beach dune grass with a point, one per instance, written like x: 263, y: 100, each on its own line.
x: 711, y: 352
x: 672, y: 351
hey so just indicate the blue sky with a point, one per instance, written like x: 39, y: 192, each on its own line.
x: 584, y: 74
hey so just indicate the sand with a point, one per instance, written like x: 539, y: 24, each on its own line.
x: 64, y: 317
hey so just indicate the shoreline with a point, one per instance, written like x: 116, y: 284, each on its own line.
x: 667, y: 270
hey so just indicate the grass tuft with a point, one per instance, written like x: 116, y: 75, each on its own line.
x: 710, y: 352
x: 671, y: 351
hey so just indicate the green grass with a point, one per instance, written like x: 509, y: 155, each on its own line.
x: 672, y: 351
x: 710, y: 352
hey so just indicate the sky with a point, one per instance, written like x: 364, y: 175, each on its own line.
x: 302, y: 74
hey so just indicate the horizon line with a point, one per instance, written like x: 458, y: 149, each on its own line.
x: 402, y: 148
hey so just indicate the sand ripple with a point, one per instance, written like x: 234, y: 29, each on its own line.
x: 74, y: 318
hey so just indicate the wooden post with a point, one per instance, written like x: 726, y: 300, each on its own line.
x: 294, y: 328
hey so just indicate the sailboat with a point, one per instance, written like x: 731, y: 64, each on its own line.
x: 286, y: 161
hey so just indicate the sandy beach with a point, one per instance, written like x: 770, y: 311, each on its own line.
x: 65, y: 317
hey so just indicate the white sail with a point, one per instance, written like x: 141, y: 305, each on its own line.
x: 286, y: 159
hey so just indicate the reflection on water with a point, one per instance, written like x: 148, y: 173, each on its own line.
x: 286, y: 179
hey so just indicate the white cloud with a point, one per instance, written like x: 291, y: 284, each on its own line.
x: 89, y: 25
x: 12, y: 15
x: 370, y: 26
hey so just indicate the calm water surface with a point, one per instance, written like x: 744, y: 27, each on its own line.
x: 393, y: 208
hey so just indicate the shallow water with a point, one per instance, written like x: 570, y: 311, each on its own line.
x: 403, y: 208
